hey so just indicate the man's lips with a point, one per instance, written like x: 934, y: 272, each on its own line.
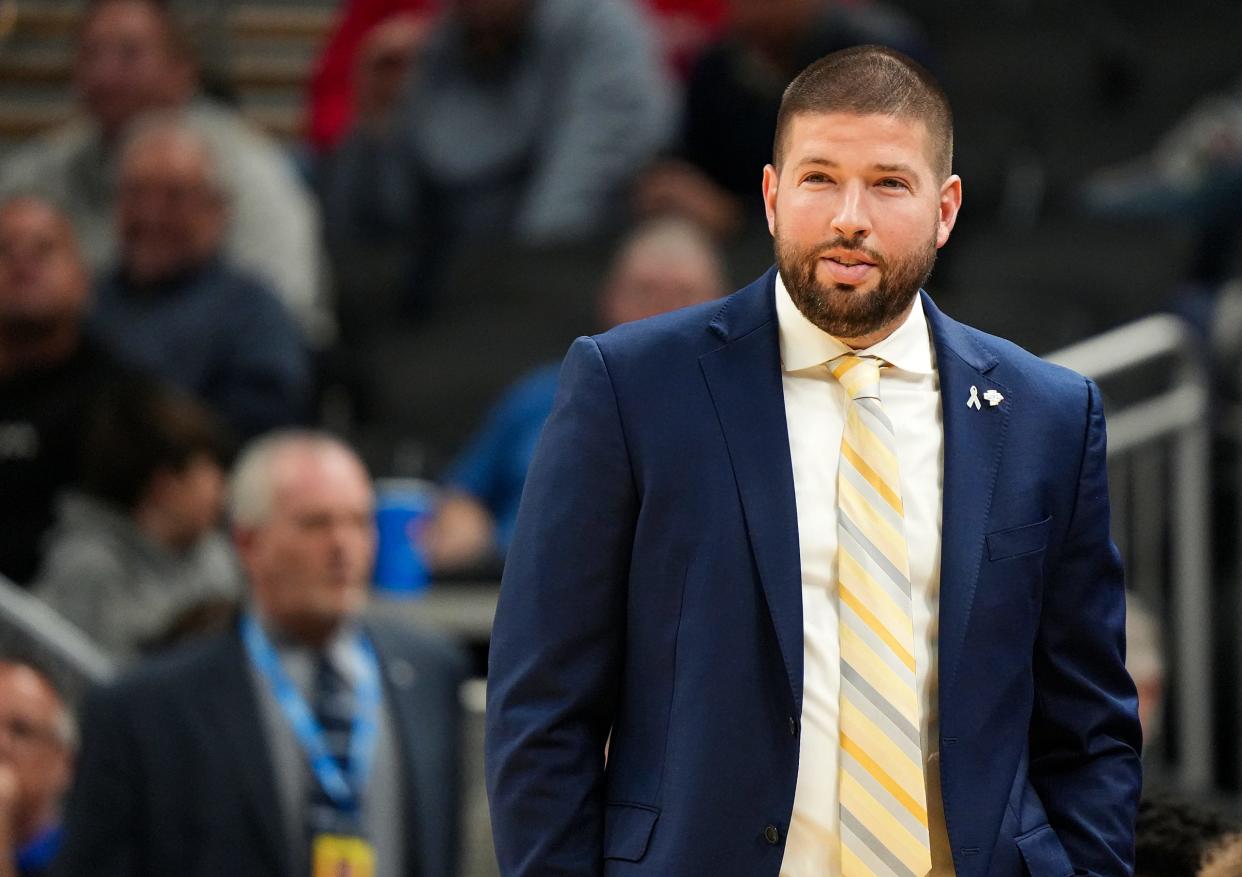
x: 847, y: 257
x: 847, y: 266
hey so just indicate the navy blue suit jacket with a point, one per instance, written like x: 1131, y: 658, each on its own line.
x: 175, y: 777
x: 653, y: 593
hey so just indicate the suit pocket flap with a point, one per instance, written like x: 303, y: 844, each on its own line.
x: 1044, y: 856
x: 1018, y: 540
x: 627, y: 828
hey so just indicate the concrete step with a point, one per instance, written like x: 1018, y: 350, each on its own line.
x: 44, y: 20
x: 20, y: 120
x: 55, y: 67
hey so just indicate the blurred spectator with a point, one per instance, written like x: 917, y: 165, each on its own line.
x: 198, y: 763
x: 664, y: 265
x: 138, y: 548
x: 684, y: 26
x: 734, y: 92
x: 331, y: 104
x: 1225, y: 859
x: 49, y: 374
x: 37, y: 741
x: 177, y: 307
x: 1193, y: 173
x: 1172, y: 836
x: 522, y: 119
x: 132, y: 59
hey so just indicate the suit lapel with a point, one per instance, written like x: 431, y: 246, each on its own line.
x: 233, y: 708
x: 973, y: 441
x: 744, y: 379
x: 402, y: 692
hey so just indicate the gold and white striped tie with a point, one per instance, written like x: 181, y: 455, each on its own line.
x: 883, y: 796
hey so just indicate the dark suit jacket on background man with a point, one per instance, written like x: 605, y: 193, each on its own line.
x: 176, y: 776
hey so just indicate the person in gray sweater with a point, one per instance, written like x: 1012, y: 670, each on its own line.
x: 136, y: 558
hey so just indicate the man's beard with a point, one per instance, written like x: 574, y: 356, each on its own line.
x: 840, y: 309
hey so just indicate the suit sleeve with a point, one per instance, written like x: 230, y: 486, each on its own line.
x: 101, y: 821
x: 557, y: 641
x: 1085, y: 736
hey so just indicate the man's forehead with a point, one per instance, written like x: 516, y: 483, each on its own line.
x: 895, y: 125
x: 299, y: 471
x: 892, y: 139
x: 125, y: 18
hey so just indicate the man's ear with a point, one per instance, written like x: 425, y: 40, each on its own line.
x: 950, y: 204
x: 243, y: 540
x: 771, y: 179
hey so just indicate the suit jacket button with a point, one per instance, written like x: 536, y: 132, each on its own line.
x: 772, y: 835
x: 793, y: 727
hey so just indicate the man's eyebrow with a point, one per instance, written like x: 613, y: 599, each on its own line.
x: 894, y: 168
x: 815, y: 159
x: 882, y: 168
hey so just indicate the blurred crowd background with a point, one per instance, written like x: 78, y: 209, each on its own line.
x: 387, y: 219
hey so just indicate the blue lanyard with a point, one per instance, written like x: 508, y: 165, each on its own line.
x: 307, y: 728
x: 38, y: 854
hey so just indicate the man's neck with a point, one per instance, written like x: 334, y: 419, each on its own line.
x: 314, y: 634
x: 173, y: 279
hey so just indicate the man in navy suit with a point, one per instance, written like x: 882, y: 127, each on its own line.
x: 303, y: 741
x: 669, y: 686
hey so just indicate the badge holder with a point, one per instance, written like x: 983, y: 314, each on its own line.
x: 337, y: 855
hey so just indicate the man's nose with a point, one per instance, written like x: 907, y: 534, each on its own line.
x: 850, y: 218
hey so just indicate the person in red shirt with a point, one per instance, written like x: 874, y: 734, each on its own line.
x: 370, y: 48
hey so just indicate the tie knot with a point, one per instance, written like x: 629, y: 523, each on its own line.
x: 859, y: 375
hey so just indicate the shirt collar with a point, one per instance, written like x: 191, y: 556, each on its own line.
x: 805, y: 345
x: 343, y: 650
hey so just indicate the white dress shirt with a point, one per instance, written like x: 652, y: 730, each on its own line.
x: 815, y: 415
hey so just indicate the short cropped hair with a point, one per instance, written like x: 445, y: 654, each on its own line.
x: 250, y: 493
x: 866, y: 81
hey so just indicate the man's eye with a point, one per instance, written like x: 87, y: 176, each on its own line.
x: 892, y: 183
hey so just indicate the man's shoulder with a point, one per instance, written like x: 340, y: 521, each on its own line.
x: 241, y: 287
x: 687, y: 329
x: 25, y: 166
x: 1010, y: 363
x: 226, y: 293
x: 425, y: 649
x: 672, y: 327
x: 184, y: 672
x: 655, y: 350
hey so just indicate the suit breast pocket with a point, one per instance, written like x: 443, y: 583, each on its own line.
x: 1027, y: 539
x: 1011, y: 579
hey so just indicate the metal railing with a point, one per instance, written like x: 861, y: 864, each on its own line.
x: 28, y: 621
x: 1159, y: 458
